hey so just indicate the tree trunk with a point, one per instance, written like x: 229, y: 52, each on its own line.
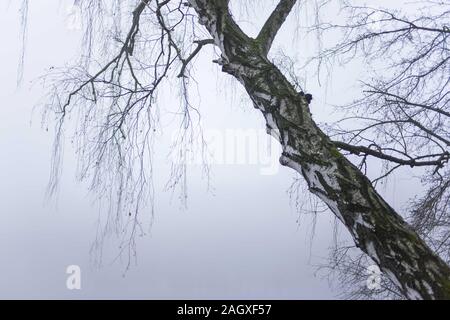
x: 375, y: 226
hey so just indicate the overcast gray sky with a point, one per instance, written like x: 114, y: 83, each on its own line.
x: 241, y: 239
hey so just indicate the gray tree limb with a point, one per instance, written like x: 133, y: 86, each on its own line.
x: 274, y: 23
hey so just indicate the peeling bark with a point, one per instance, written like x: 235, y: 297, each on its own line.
x: 375, y: 226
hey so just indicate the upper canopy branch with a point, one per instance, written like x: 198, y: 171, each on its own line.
x: 441, y: 160
x: 274, y: 23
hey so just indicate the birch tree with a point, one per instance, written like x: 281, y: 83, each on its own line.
x: 401, y: 116
x: 116, y: 102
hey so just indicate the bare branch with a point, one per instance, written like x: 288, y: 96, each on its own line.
x: 413, y: 162
x: 200, y: 44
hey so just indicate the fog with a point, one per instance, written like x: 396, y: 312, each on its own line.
x: 239, y: 238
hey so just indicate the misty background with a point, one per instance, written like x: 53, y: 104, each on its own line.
x: 240, y: 237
